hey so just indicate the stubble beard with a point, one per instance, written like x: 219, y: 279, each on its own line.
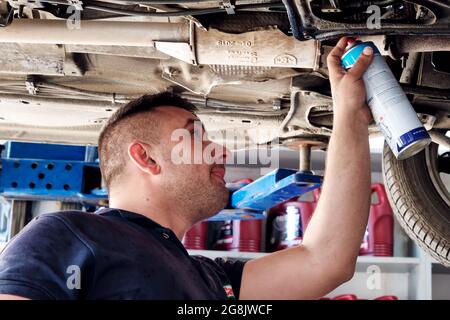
x: 199, y: 197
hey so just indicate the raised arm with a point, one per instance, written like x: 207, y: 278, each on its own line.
x: 330, y: 247
x: 11, y: 297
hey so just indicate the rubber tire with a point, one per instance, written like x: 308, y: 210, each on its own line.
x: 418, y: 207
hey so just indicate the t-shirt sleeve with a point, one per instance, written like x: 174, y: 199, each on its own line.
x: 233, y: 269
x: 46, y: 260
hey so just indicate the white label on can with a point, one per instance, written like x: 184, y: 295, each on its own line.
x: 390, y: 107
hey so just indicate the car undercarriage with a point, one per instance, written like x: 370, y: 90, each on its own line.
x: 255, y: 67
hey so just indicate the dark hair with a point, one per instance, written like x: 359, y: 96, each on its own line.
x: 118, y: 130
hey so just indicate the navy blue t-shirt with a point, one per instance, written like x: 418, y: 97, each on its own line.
x: 113, y: 254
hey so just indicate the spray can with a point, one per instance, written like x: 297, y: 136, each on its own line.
x: 391, y: 109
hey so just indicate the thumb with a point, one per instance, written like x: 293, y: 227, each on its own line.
x: 361, y: 64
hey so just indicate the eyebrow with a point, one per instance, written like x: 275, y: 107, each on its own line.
x: 191, y: 121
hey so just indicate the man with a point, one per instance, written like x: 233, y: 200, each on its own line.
x: 133, y: 249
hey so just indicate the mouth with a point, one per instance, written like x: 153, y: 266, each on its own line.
x: 218, y: 172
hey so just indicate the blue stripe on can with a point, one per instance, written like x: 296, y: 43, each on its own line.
x: 349, y: 58
x: 411, y: 137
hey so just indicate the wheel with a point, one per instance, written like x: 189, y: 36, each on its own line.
x: 420, y: 199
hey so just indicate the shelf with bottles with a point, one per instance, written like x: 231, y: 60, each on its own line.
x: 284, y: 226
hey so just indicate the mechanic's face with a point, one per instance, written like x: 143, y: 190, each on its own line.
x: 198, y: 182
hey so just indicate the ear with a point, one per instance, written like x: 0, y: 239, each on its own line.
x: 140, y: 155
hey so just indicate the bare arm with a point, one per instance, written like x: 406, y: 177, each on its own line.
x: 11, y: 297
x: 330, y: 247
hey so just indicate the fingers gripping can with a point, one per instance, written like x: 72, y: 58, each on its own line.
x: 391, y: 109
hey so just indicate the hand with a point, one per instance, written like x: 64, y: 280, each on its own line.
x: 347, y: 87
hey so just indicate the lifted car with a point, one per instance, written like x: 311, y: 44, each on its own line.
x: 66, y: 65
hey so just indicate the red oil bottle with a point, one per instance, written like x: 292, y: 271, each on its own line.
x: 381, y: 225
x: 224, y: 240
x: 346, y: 297
x: 195, y: 238
x: 247, y: 235
x: 387, y: 298
x: 379, y: 237
x: 240, y: 235
x: 284, y: 226
x: 287, y: 222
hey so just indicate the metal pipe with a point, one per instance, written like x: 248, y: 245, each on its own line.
x: 85, y: 93
x: 440, y: 138
x: 293, y: 19
x: 181, y: 13
x: 410, y: 68
x: 437, y: 93
x: 12, y: 100
x: 100, y: 33
x: 422, y: 44
x: 305, y: 159
x: 408, y: 44
x: 125, y: 51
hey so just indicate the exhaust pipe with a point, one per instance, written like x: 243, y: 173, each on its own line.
x: 184, y: 41
x: 99, y: 33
